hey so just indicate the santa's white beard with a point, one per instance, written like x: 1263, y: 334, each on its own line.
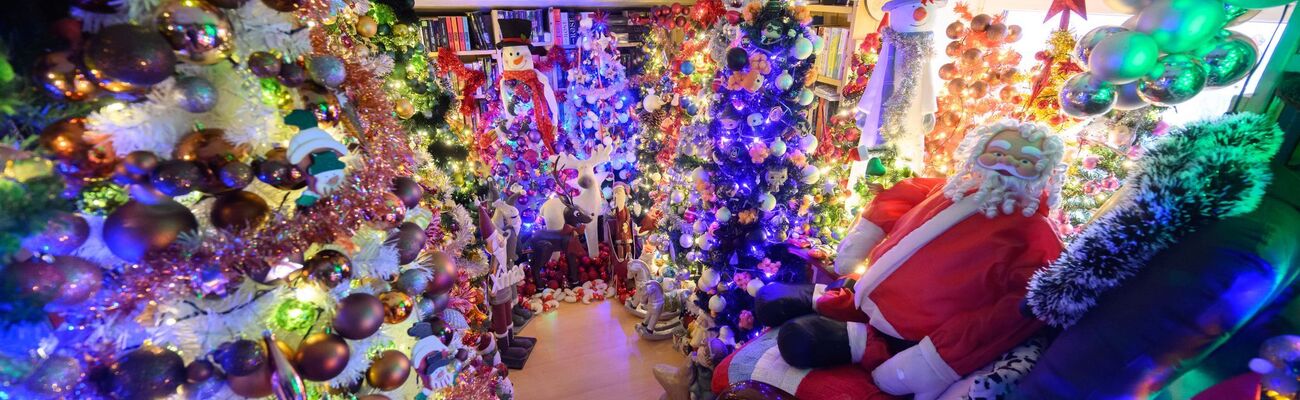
x: 1003, y: 194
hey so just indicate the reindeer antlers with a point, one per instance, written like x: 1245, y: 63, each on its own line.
x: 599, y: 155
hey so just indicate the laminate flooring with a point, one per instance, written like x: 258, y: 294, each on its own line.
x: 591, y: 351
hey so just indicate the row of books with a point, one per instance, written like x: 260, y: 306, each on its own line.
x: 473, y: 31
x: 460, y: 33
x: 830, y: 62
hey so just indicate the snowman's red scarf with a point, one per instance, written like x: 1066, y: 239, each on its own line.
x: 541, y: 109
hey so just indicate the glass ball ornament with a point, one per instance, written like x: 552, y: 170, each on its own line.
x: 199, y: 32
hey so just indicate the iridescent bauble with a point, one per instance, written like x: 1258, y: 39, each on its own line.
x: 136, y: 167
x: 292, y: 74
x: 276, y: 171
x: 65, y: 141
x: 397, y: 306
x: 283, y: 5
x: 321, y: 357
x: 802, y: 49
x: 55, y: 377
x: 327, y: 114
x: 327, y: 70
x: 34, y: 280
x: 195, y: 94
x: 390, y: 214
x: 239, y: 211
x: 1175, y: 79
x: 1083, y: 48
x: 1127, y: 97
x: 177, y: 178
x: 409, y: 240
x: 329, y: 267
x: 286, y: 383
x: 241, y: 357
x: 389, y: 371
x: 367, y: 26
x: 208, y: 147
x: 359, y: 316
x: 737, y: 59
x: 1123, y: 57
x: 1178, y: 26
x: 264, y: 64
x: 125, y: 58
x: 136, y: 228
x: 198, y: 31
x: 60, y: 77
x: 444, y: 273
x: 232, y: 176
x: 1083, y: 96
x: 147, y: 372
x: 81, y: 280
x: 199, y: 371
x: 1229, y: 59
x: 255, y: 385
x: 63, y: 234
x: 404, y: 108
x: 408, y: 190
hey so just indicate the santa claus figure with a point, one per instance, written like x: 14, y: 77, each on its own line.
x: 620, y: 233
x: 524, y: 90
x: 898, y: 104
x: 948, y: 265
x: 505, y: 277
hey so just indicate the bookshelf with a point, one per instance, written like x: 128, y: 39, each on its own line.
x: 844, y: 27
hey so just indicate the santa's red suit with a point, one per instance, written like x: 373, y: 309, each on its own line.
x: 944, y: 284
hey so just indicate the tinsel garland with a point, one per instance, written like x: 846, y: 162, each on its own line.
x: 913, y: 48
x: 449, y: 62
x: 1208, y: 170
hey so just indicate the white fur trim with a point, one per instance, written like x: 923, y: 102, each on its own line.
x: 772, y: 369
x: 857, y: 340
x: 819, y: 290
x: 888, y: 262
x: 918, y: 370
x: 876, y: 319
x: 309, y: 141
x: 856, y: 246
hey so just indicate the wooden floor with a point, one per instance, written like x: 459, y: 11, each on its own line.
x: 590, y: 351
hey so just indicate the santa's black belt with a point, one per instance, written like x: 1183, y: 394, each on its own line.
x: 895, y: 345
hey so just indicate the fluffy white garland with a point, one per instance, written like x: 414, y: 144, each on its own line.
x: 258, y: 28
x: 206, y: 328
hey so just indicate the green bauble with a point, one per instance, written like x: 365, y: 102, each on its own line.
x: 1177, y: 78
x: 1123, y: 57
x: 1182, y: 25
x: 1229, y: 59
x: 1257, y: 4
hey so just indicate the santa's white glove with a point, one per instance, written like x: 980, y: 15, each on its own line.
x: 857, y: 244
x: 327, y: 181
x: 918, y: 370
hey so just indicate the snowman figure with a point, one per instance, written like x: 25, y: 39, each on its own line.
x: 313, y: 150
x: 898, y: 104
x: 523, y: 88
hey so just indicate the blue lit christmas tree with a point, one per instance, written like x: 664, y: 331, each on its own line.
x: 759, y: 177
x: 600, y: 105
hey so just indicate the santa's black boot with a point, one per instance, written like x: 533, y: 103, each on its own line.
x: 814, y: 341
x: 512, y: 357
x: 521, y: 342
x: 522, y: 311
x: 776, y: 303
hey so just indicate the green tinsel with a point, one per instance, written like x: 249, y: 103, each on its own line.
x: 101, y: 198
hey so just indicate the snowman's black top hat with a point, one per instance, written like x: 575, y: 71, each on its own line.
x: 518, y: 32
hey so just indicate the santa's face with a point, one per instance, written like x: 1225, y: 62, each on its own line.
x: 913, y: 15
x: 620, y: 197
x: 516, y: 58
x: 1009, y: 154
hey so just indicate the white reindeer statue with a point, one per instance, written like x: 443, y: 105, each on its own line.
x: 589, y: 198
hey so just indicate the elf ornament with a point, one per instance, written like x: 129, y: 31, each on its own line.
x: 435, y: 364
x: 523, y: 88
x: 505, y: 277
x: 315, y: 151
x: 898, y: 104
x: 989, y: 220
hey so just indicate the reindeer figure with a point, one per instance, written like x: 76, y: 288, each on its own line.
x: 588, y: 183
x: 561, y: 218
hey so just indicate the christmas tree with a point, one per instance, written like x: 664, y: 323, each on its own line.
x: 252, y: 220
x: 756, y: 182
